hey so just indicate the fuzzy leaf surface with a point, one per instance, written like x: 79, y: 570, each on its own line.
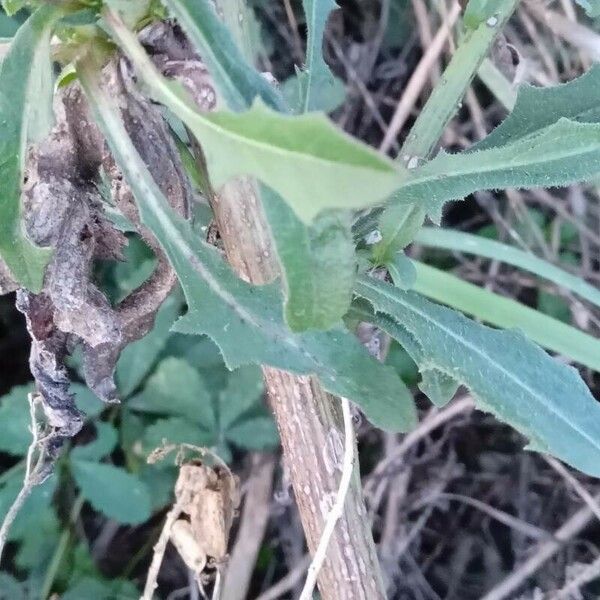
x: 508, y: 375
x: 564, y: 153
x: 317, y: 262
x: 541, y: 107
x: 245, y: 320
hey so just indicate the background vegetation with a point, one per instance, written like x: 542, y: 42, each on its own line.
x: 457, y: 507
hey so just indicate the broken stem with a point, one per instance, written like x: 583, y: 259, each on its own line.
x: 159, y: 550
x: 337, y: 510
x: 34, y: 474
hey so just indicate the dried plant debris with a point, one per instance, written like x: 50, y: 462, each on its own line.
x: 209, y: 497
x: 63, y: 210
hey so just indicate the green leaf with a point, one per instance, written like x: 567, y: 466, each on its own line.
x: 507, y: 374
x: 238, y: 82
x: 540, y: 107
x: 398, y: 227
x: 13, y: 6
x: 100, y: 589
x: 292, y: 90
x: 257, y: 433
x: 317, y: 83
x: 479, y: 11
x: 104, y: 444
x: 86, y: 400
x: 176, y: 430
x: 137, y: 359
x: 317, y: 263
x: 305, y: 159
x: 176, y: 388
x: 592, y: 7
x: 244, y: 389
x: 505, y: 312
x: 244, y: 320
x: 11, y: 588
x: 38, y: 543
x: 112, y: 491
x: 480, y: 246
x: 402, y: 271
x: 559, y: 155
x: 15, y: 436
x: 25, y: 117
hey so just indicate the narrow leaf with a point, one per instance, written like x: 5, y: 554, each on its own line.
x: 317, y: 83
x: 559, y: 155
x: 318, y: 263
x: 308, y: 161
x: 540, y: 107
x: 459, y: 241
x: 238, y: 82
x: 508, y: 375
x: 245, y: 320
x: 507, y: 313
x: 25, y: 117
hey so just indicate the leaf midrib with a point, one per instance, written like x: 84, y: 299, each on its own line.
x: 547, y: 159
x: 364, y: 281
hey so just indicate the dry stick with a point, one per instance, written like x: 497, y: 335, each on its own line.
x: 544, y: 552
x: 433, y: 421
x: 253, y: 523
x: 574, y: 483
x: 337, y: 509
x: 418, y: 80
x: 285, y: 584
x: 160, y: 547
x: 34, y: 475
x: 589, y: 573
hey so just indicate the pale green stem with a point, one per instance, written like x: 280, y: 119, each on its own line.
x: 442, y: 105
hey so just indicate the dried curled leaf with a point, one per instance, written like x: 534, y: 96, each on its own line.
x: 63, y: 210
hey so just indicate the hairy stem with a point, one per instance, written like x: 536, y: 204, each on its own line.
x: 442, y: 105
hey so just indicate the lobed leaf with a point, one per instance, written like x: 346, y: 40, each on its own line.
x: 559, y: 155
x: 317, y: 264
x: 508, y: 375
x: 305, y: 159
x: 112, y: 491
x: 540, y: 107
x: 245, y: 320
x: 26, y: 116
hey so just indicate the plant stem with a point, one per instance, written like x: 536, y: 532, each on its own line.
x: 442, y: 105
x: 337, y: 509
x: 307, y: 417
x: 61, y: 548
x: 159, y: 550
